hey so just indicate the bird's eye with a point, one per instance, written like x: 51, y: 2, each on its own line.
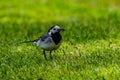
x: 54, y: 29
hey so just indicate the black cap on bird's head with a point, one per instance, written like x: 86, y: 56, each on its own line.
x: 55, y: 29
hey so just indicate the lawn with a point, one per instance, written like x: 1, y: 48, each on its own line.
x: 90, y: 48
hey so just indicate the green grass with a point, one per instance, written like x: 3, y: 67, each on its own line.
x: 91, y: 42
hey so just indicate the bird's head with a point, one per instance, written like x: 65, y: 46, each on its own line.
x: 55, y: 29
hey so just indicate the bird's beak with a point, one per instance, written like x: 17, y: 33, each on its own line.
x: 62, y: 29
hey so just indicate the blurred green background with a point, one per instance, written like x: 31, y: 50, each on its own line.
x: 91, y: 42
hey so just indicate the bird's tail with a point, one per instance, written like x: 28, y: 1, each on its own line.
x: 34, y: 41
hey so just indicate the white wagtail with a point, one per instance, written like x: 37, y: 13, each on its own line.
x: 49, y: 41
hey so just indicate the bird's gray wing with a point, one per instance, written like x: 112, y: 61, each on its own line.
x: 43, y: 37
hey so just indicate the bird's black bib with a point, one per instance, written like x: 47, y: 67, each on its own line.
x: 56, y: 37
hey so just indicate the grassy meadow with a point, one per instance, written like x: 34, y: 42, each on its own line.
x: 90, y: 48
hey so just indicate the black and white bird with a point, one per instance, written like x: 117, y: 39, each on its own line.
x: 49, y: 41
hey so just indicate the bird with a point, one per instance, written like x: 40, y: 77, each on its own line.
x: 49, y: 41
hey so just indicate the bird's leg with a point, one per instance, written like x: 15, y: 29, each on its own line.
x: 44, y: 54
x: 50, y: 54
